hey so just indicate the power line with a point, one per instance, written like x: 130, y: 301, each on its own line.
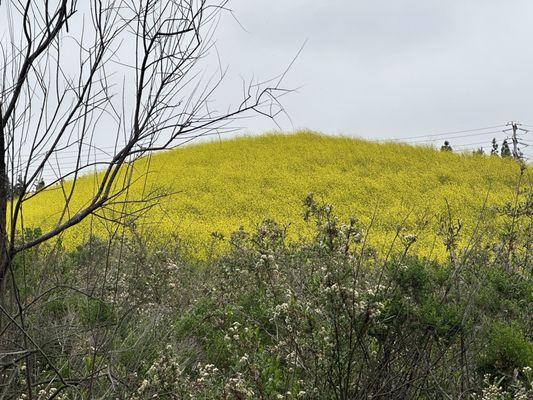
x: 469, y: 144
x: 516, y: 139
x: 450, y: 133
x: 457, y: 137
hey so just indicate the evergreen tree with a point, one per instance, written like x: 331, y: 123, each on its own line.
x: 506, y: 151
x: 479, y: 152
x: 18, y: 188
x: 40, y: 185
x: 494, y: 150
x: 446, y: 146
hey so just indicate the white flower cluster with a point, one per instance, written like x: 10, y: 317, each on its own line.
x: 238, y: 388
x: 280, y: 310
x: 494, y: 391
x: 205, y: 373
x: 233, y: 332
x: 45, y: 394
x: 163, y: 375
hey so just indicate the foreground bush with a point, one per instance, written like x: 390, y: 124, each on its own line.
x: 323, y: 318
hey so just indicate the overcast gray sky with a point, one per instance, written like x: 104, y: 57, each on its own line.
x: 388, y: 68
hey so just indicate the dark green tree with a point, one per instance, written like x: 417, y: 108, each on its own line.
x: 446, y: 146
x: 40, y: 185
x: 17, y: 189
x: 506, y: 151
x: 494, y: 150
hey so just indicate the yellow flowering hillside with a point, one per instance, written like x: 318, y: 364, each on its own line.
x: 220, y: 186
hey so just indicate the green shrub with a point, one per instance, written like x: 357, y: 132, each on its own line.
x: 506, y: 349
x: 95, y: 312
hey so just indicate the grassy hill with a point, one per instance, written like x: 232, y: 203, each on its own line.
x: 220, y: 186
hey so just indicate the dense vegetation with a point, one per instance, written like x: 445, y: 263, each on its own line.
x: 327, y: 316
x: 220, y: 186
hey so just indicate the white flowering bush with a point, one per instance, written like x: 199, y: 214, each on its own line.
x: 327, y: 318
x: 520, y: 389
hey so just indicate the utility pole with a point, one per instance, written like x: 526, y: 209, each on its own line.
x: 515, y: 140
x: 517, y: 154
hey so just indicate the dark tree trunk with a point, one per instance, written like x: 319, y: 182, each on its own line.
x: 4, y: 195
